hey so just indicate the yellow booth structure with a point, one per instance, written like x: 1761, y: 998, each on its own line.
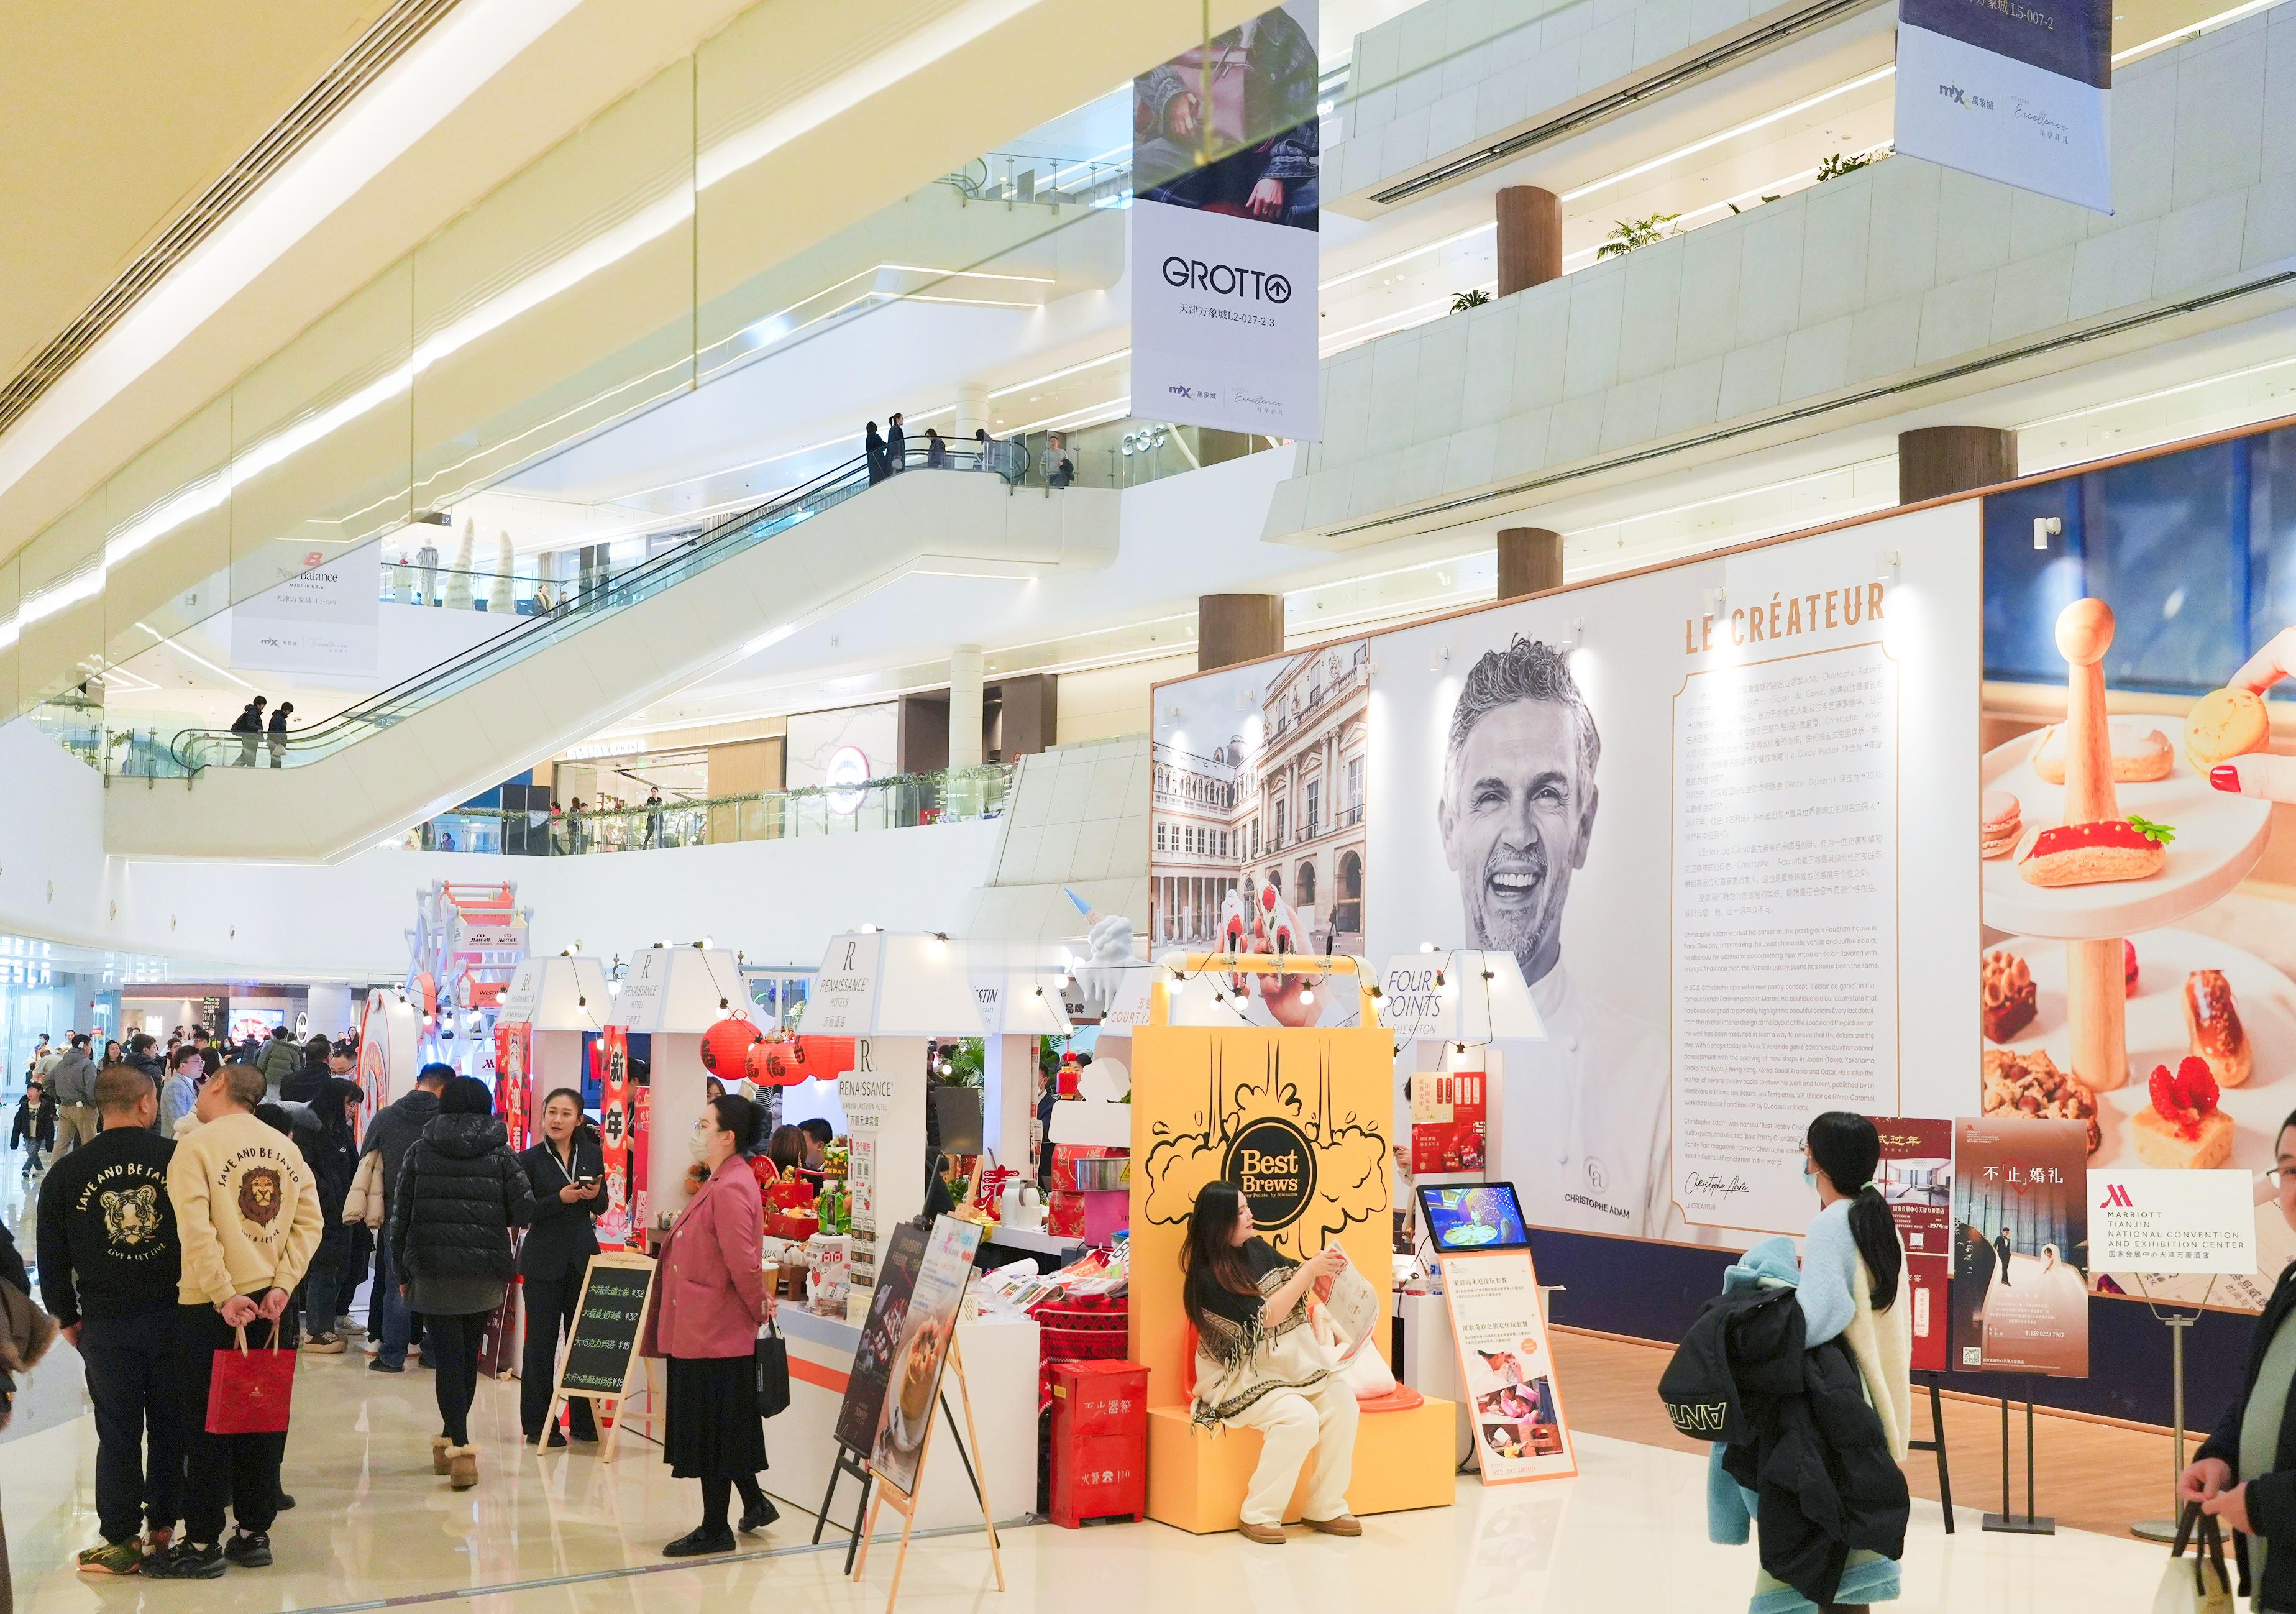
x: 1298, y: 1120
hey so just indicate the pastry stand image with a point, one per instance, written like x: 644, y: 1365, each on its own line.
x: 1298, y: 1120
x: 2085, y: 1005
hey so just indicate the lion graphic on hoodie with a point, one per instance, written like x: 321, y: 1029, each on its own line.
x: 259, y: 1200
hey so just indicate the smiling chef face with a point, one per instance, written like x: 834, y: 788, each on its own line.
x: 1519, y: 800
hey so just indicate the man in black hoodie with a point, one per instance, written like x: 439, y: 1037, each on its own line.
x: 144, y: 1053
x: 109, y: 1262
x: 391, y: 1133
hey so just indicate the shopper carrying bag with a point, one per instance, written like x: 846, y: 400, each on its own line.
x: 773, y: 1372
x: 247, y: 1214
x: 251, y: 1391
x: 2197, y: 1584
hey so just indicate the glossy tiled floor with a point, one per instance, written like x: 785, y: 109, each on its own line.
x: 571, y: 1535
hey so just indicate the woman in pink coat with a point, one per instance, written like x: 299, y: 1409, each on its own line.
x: 711, y: 1300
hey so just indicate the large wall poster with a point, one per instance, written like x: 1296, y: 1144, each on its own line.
x: 2019, y: 92
x: 1225, y: 172
x: 1257, y: 821
x: 1694, y: 803
x: 324, y: 619
x: 1683, y: 800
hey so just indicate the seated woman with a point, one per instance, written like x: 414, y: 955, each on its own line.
x: 1260, y: 1364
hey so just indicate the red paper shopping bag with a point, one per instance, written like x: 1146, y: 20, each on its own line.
x: 249, y: 1391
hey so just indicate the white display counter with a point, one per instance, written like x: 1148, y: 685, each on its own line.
x: 1000, y: 1367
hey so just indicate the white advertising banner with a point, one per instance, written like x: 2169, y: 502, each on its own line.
x: 1507, y: 1368
x: 2170, y: 1221
x: 1224, y: 159
x: 2014, y: 90
x: 322, y: 620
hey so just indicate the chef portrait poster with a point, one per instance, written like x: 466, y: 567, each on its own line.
x: 1225, y: 165
x: 2021, y: 1247
x: 1681, y: 799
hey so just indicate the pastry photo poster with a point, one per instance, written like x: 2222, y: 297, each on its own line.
x: 2134, y: 967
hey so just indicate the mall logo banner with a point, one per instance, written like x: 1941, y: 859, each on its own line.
x: 2012, y: 90
x: 1224, y: 162
x: 326, y: 619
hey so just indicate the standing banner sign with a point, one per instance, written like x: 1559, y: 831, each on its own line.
x: 2021, y: 1247
x: 1916, y: 1179
x: 1225, y: 163
x: 2014, y: 90
x: 616, y: 1226
x: 1506, y: 1364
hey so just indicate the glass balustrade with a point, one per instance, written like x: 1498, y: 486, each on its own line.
x: 903, y: 801
x: 598, y: 597
x: 405, y: 580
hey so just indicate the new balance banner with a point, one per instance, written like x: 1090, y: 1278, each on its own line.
x: 2012, y: 90
x: 1225, y: 167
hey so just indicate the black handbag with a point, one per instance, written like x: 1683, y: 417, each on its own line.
x: 773, y: 1372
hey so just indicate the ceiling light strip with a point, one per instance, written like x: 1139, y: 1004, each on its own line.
x: 395, y: 32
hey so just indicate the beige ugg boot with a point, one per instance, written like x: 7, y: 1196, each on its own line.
x: 439, y: 1447
x: 463, y: 1466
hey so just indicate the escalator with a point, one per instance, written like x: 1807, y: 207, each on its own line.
x: 452, y: 731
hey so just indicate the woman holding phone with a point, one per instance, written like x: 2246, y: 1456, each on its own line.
x: 1260, y: 1363
x: 568, y: 1170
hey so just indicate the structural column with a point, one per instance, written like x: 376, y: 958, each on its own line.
x: 965, y: 707
x: 1940, y: 460
x: 972, y: 410
x: 1530, y: 238
x: 1237, y: 627
x: 1530, y: 561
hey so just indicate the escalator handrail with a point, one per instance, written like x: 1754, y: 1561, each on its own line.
x: 850, y: 475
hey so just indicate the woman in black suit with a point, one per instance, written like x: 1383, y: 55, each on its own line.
x: 568, y: 1170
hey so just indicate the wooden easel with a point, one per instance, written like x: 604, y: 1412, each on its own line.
x: 560, y: 1394
x: 904, y: 1502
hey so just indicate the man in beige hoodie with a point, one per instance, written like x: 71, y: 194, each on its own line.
x: 248, y: 1213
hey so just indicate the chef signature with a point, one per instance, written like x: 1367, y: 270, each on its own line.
x: 1705, y: 1185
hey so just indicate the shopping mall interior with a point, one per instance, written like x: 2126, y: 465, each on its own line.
x: 604, y: 607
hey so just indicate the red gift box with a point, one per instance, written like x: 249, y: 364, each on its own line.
x: 1064, y: 1215
x: 1099, y: 1444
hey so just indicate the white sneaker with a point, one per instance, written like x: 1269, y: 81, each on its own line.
x: 373, y: 1347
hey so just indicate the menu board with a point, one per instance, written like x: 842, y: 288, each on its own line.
x: 1916, y: 1179
x: 872, y: 1358
x: 603, y: 1341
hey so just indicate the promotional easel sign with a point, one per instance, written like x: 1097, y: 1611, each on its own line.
x: 1506, y: 1366
x: 601, y: 1360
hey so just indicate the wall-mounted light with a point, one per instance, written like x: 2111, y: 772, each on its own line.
x: 1889, y: 565
x: 1436, y: 657
x: 2045, y: 528
x: 1716, y: 597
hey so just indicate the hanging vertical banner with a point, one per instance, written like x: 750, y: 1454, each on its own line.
x: 513, y: 1096
x: 1224, y: 160
x: 616, y: 1222
x: 2014, y: 90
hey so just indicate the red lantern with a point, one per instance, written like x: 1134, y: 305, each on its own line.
x: 785, y: 1061
x: 726, y: 1049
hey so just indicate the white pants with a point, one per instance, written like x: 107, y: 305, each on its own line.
x: 1292, y: 1423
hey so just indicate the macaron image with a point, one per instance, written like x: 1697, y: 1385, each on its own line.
x: 2001, y: 821
x: 2224, y: 723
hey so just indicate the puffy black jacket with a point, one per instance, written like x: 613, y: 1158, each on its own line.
x: 1797, y: 1432
x: 459, y: 1194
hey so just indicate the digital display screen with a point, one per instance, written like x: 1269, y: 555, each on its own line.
x: 1469, y: 1216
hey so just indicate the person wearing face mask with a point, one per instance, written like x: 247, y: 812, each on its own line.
x: 2244, y: 1473
x: 567, y: 1172
x: 1260, y: 1364
x: 711, y: 1302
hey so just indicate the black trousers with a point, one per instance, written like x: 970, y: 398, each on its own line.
x: 550, y: 1304
x: 452, y: 1352
x: 133, y: 1374
x: 239, y: 1471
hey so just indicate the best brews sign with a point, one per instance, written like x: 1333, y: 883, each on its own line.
x: 1273, y: 1165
